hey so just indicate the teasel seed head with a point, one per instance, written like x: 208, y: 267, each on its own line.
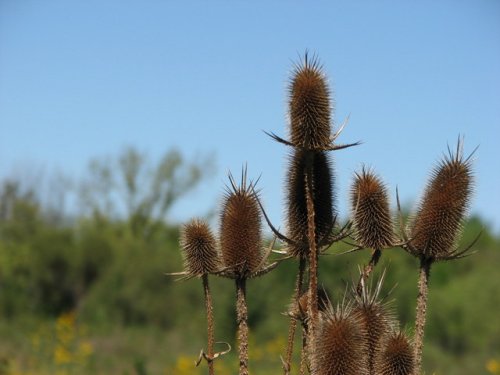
x: 371, y: 212
x: 340, y: 344
x: 376, y: 317
x: 240, y: 229
x: 199, y: 248
x: 297, y: 204
x: 310, y: 106
x: 435, y: 227
x: 396, y: 357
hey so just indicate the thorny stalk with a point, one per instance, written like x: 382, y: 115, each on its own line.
x: 423, y: 287
x: 242, y: 320
x: 210, y: 324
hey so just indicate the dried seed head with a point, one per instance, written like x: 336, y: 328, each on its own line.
x: 310, y: 107
x: 297, y: 204
x: 299, y: 311
x: 240, y: 230
x: 199, y: 248
x: 377, y: 319
x: 435, y: 227
x: 371, y: 214
x: 340, y: 344
x: 396, y: 356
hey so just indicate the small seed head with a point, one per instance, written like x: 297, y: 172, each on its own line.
x: 371, y: 213
x: 396, y: 356
x: 240, y: 230
x: 199, y: 248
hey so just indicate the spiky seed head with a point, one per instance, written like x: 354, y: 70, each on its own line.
x: 310, y: 106
x: 376, y: 317
x: 396, y: 357
x: 340, y: 344
x: 299, y: 310
x: 199, y: 248
x: 435, y: 227
x: 297, y: 204
x: 371, y: 213
x: 240, y: 229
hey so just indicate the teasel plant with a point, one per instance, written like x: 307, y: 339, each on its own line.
x: 201, y: 259
x: 396, y: 356
x: 373, y: 226
x: 311, y: 217
x: 243, y: 255
x: 434, y: 229
x: 375, y: 315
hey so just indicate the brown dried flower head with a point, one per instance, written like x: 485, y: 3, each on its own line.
x: 199, y: 248
x: 396, y: 357
x: 340, y: 344
x: 240, y: 229
x: 371, y: 213
x: 377, y: 319
x: 297, y: 204
x: 435, y: 227
x: 310, y: 106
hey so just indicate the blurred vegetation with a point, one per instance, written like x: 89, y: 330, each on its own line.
x: 85, y: 293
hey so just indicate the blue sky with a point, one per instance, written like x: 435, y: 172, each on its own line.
x: 83, y: 79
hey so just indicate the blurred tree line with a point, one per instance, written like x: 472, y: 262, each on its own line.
x: 107, y: 259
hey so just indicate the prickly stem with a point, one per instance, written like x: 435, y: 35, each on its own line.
x: 367, y: 270
x: 423, y: 287
x: 242, y: 320
x: 210, y: 324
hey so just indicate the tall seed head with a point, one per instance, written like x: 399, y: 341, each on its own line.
x: 340, y: 344
x: 396, y: 357
x: 199, y: 248
x: 371, y: 213
x: 240, y: 230
x: 437, y: 223
x: 297, y: 204
x: 310, y: 107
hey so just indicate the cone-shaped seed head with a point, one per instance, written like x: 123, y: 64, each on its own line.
x: 437, y: 223
x: 310, y: 107
x: 240, y: 230
x: 377, y: 320
x: 199, y: 248
x: 297, y: 204
x: 371, y: 213
x: 340, y: 345
x: 396, y: 356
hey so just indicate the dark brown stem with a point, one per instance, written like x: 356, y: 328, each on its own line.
x: 367, y: 270
x: 210, y: 324
x: 423, y: 287
x: 313, y: 253
x: 242, y: 320
x: 293, y: 321
x: 304, y: 352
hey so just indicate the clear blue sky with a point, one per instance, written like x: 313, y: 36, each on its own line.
x: 79, y: 79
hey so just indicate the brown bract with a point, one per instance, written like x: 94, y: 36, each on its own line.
x: 240, y: 231
x: 299, y: 311
x: 322, y: 181
x: 371, y: 213
x: 437, y: 223
x: 340, y: 344
x: 199, y: 248
x: 310, y: 107
x: 396, y: 356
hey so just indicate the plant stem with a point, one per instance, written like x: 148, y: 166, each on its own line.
x: 423, y: 287
x: 210, y: 324
x: 367, y: 270
x: 313, y: 253
x: 242, y: 320
x: 293, y: 321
